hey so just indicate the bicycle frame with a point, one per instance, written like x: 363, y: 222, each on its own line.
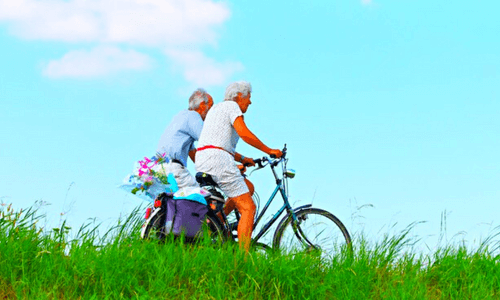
x: 282, y: 187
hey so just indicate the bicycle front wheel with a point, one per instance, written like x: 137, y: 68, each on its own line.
x: 315, y: 229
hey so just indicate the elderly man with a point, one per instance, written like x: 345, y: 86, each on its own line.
x: 216, y: 154
x: 177, y: 141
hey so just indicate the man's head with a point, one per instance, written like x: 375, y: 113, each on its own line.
x: 201, y: 102
x: 239, y: 92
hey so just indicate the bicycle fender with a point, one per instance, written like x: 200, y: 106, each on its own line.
x: 286, y: 217
x: 145, y: 225
x: 301, y: 207
x: 294, y: 210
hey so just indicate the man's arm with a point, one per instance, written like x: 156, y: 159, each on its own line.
x: 192, y: 154
x: 195, y: 125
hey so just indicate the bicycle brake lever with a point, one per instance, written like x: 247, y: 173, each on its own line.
x: 258, y: 161
x: 254, y: 171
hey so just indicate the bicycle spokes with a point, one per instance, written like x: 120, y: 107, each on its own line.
x: 300, y: 234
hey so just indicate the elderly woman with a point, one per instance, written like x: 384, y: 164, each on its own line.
x: 216, y: 154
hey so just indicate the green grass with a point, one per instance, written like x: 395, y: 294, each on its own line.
x: 118, y: 265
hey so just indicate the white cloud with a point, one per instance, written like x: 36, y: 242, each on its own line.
x: 161, y: 24
x: 146, y: 22
x: 202, y: 70
x: 366, y: 2
x: 50, y: 20
x: 100, y: 61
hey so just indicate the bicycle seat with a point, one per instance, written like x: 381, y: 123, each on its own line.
x: 205, y: 179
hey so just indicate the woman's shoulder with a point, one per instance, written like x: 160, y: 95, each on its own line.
x: 225, y: 106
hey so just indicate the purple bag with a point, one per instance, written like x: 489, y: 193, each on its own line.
x: 185, y: 216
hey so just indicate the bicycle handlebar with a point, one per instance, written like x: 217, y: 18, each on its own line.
x: 271, y: 160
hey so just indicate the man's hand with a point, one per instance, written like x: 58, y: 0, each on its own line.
x: 248, y: 162
x: 275, y: 152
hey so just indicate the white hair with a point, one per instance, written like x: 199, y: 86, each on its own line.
x: 232, y: 90
x: 197, y: 97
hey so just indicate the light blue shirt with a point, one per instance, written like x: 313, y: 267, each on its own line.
x: 179, y: 136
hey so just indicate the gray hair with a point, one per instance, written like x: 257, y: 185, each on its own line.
x: 232, y: 90
x: 196, y: 98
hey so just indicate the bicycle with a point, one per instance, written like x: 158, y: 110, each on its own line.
x: 302, y: 228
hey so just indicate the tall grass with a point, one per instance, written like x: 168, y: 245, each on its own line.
x: 36, y: 264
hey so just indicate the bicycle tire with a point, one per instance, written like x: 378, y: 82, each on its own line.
x: 321, y: 228
x: 212, y: 227
x: 155, y: 228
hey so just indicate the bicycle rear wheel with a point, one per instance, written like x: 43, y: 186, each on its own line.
x: 154, y: 229
x: 316, y: 229
x: 211, y: 229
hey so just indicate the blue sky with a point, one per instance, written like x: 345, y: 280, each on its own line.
x: 393, y: 104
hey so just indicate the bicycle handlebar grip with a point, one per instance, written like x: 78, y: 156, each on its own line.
x: 282, y: 151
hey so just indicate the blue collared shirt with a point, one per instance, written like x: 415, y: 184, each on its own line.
x: 179, y: 136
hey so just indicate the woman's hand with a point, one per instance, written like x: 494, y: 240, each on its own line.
x: 275, y: 152
x: 248, y: 162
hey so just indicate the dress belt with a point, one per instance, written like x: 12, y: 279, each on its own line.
x: 213, y: 147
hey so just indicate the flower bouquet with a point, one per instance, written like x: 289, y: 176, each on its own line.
x: 147, y: 183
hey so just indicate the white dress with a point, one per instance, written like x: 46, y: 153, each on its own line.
x: 218, y: 131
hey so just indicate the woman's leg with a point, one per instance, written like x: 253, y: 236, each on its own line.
x: 251, y: 188
x: 231, y: 205
x: 246, y: 207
